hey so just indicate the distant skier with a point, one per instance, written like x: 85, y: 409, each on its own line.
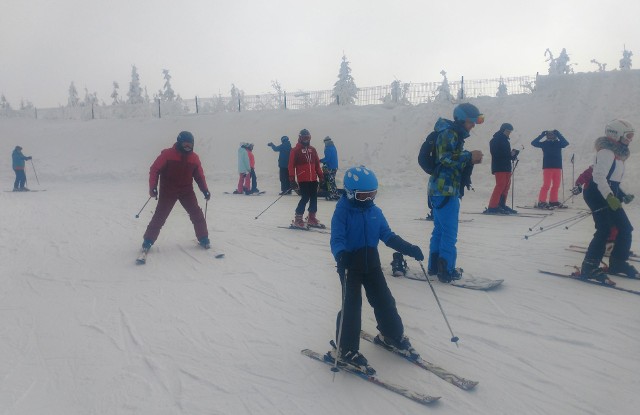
x: 551, y: 166
x: 501, y: 157
x: 304, y: 172
x: 284, y: 149
x: 357, y: 226
x: 18, y: 168
x: 244, y: 171
x: 252, y: 164
x: 176, y: 168
x: 604, y: 196
x: 330, y: 160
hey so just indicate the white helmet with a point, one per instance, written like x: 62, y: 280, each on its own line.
x: 617, y: 129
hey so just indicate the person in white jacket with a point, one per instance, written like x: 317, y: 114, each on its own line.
x: 605, y: 197
x: 244, y: 171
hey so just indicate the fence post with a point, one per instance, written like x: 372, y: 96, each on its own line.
x: 159, y: 114
x: 238, y: 104
x: 35, y: 110
x: 285, y: 99
x: 461, y: 97
x: 92, y: 114
x: 197, y: 105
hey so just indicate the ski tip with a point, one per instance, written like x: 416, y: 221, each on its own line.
x: 219, y: 255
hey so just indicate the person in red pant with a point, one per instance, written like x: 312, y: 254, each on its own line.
x: 501, y: 157
x: 176, y: 168
x: 304, y: 172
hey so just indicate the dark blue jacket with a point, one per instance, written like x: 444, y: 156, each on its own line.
x: 283, y: 157
x: 500, y: 153
x: 551, y: 151
x: 357, y: 229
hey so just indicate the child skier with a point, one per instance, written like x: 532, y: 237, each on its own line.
x: 356, y: 227
x: 304, y: 172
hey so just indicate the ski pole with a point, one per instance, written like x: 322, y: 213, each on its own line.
x: 34, y: 172
x: 575, y: 219
x: 454, y: 338
x: 573, y: 171
x: 343, y: 280
x: 274, y: 202
x: 145, y: 204
x: 206, y: 205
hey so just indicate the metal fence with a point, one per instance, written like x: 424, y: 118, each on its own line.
x: 395, y: 93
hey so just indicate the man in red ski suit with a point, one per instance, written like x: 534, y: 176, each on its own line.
x: 304, y: 172
x: 176, y: 168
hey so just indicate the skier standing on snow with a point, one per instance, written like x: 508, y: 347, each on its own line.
x: 244, y: 171
x: 18, y: 160
x: 284, y: 149
x: 252, y: 164
x: 501, y: 157
x: 330, y: 160
x: 551, y: 166
x: 446, y: 188
x: 604, y: 196
x: 357, y: 226
x: 176, y: 168
x: 304, y: 166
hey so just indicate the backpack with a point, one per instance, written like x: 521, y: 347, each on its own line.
x: 428, y: 158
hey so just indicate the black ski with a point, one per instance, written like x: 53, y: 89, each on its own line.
x: 319, y: 230
x: 594, y: 282
x: 454, y: 379
x: 400, y: 390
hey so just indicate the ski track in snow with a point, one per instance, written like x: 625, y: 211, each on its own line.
x: 83, y: 329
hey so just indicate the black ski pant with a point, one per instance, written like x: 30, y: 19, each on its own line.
x: 254, y: 181
x: 284, y: 179
x: 605, y: 218
x: 381, y: 300
x: 309, y: 193
x: 21, y: 179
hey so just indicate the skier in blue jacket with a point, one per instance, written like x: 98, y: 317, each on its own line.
x: 18, y: 168
x: 356, y: 228
x: 283, y: 163
x: 330, y: 160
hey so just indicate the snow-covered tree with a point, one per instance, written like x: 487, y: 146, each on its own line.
x: 168, y: 94
x: 559, y: 65
x: 237, y: 99
x: 90, y: 98
x: 345, y: 90
x: 73, y: 99
x: 444, y: 91
x: 26, y: 105
x: 398, y: 94
x: 115, y: 98
x: 135, y: 92
x: 625, y: 62
x: 4, y: 104
x: 601, y: 66
x: 502, y: 89
x: 278, y: 97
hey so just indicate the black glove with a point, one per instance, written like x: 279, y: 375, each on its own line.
x: 292, y: 182
x: 28, y: 158
x: 543, y: 133
x: 207, y: 195
x: 153, y: 192
x: 416, y: 253
x: 576, y: 190
x: 270, y: 144
x: 514, y: 154
x: 344, y: 260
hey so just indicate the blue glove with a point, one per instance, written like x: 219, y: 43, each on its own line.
x: 207, y: 195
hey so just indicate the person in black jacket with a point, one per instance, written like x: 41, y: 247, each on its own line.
x: 501, y: 157
x: 551, y: 166
x: 283, y: 163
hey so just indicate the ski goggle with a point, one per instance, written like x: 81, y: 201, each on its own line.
x: 364, y: 196
x: 477, y: 120
x: 187, y: 146
x: 628, y: 135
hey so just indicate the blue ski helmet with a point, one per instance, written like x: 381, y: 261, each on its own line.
x: 469, y: 112
x: 359, y: 179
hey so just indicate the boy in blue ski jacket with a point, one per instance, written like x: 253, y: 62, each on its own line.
x: 356, y: 228
x: 18, y: 160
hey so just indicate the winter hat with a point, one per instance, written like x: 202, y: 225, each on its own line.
x: 304, y: 132
x: 284, y: 138
x: 185, y: 137
x: 18, y: 148
x: 506, y: 126
x: 327, y: 138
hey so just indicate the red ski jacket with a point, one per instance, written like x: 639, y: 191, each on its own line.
x: 304, y: 164
x: 176, y: 171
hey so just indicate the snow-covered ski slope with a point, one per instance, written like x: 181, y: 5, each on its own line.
x: 84, y: 330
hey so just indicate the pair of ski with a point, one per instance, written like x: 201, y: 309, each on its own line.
x: 517, y: 215
x: 576, y: 276
x: 420, y: 398
x: 459, y: 220
x: 319, y: 229
x: 583, y: 250
x: 142, y: 258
